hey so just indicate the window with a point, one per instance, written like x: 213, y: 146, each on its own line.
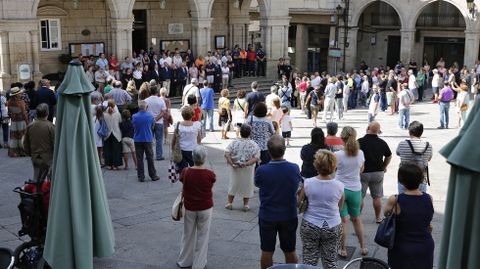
x: 50, y: 34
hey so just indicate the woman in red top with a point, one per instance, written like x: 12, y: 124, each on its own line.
x: 192, y: 101
x: 114, y: 65
x: 333, y: 142
x: 198, y: 201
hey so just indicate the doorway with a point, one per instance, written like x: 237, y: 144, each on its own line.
x: 139, y: 35
x: 450, y: 49
x: 393, y: 51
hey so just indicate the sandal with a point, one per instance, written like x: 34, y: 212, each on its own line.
x: 229, y: 206
x: 343, y: 254
x: 364, y: 251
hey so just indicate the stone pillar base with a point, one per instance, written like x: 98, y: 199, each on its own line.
x: 5, y: 81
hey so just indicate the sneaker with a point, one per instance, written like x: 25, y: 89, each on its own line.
x: 156, y: 178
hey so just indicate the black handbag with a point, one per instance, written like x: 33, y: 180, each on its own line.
x: 385, y: 235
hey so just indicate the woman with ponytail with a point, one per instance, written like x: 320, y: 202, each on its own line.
x: 350, y: 162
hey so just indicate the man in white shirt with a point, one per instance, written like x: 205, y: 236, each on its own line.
x: 329, y: 103
x: 412, y: 83
x: 177, y: 60
x: 102, y: 63
x: 100, y: 78
x: 157, y: 107
x: 190, y: 89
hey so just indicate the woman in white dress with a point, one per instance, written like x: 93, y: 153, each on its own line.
x: 242, y: 155
x: 239, y: 107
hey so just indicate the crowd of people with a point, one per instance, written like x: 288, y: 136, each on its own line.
x: 131, y: 113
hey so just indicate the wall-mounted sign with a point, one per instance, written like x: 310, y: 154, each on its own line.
x: 335, y: 52
x: 24, y: 72
x: 175, y: 28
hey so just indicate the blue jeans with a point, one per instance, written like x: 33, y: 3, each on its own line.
x: 404, y: 118
x: 159, y: 140
x: 5, y: 133
x: 422, y: 187
x: 383, y: 101
x: 209, y: 116
x: 444, y: 109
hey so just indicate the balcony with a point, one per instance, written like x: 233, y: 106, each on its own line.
x: 436, y: 20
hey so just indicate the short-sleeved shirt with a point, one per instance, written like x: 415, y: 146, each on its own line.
x: 323, y: 197
x: 127, y: 129
x: 374, y: 149
x: 285, y: 123
x: 374, y: 107
x: 156, y: 105
x: 207, y: 98
x: 262, y: 129
x: 308, y: 156
x: 278, y: 182
x: 405, y: 152
x: 315, y: 97
x: 197, y: 188
x: 334, y: 143
x: 142, y: 123
x: 188, y: 135
x: 348, y: 169
x: 243, y: 150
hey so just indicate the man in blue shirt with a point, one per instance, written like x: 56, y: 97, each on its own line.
x: 278, y: 182
x: 206, y: 95
x: 143, y: 122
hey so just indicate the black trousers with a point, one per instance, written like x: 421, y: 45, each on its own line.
x: 112, y: 151
x: 261, y: 67
x: 146, y: 148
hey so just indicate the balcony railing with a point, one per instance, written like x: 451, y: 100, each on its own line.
x: 385, y: 19
x: 441, y: 20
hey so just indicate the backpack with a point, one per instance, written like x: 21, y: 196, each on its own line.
x: 419, y: 160
x: 103, y: 129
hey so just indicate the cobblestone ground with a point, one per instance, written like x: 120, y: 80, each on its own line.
x: 146, y: 237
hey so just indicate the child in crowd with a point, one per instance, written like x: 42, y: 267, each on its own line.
x: 276, y: 128
x: 286, y: 125
x: 128, y: 145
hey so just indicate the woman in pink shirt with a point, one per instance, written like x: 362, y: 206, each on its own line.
x: 302, y: 88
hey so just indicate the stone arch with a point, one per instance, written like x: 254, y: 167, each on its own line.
x: 360, y: 8
x: 461, y: 8
x: 245, y: 5
x: 112, y: 5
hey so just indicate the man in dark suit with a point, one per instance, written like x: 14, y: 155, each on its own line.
x: 155, y: 74
x: 180, y: 81
x: 47, y: 96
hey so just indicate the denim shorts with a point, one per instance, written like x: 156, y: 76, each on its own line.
x: 287, y: 234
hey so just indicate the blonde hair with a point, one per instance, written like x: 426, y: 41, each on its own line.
x: 187, y: 113
x: 224, y: 93
x: 325, y: 162
x: 349, y: 137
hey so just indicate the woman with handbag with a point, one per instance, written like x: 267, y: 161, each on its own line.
x: 413, y: 245
x: 112, y: 145
x: 198, y: 201
x: 321, y: 225
x: 242, y: 155
x: 225, y: 114
x: 188, y: 134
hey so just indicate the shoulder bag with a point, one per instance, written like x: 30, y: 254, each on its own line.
x: 302, y: 200
x: 178, y: 208
x: 177, y: 152
x: 385, y: 235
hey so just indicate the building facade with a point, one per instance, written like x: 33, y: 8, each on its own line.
x: 316, y: 35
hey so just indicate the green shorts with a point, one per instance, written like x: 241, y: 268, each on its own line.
x: 353, y: 204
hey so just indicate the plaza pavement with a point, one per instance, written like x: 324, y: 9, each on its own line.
x: 147, y: 238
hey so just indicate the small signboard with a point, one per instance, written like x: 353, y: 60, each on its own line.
x: 175, y: 28
x: 335, y: 52
x: 24, y: 72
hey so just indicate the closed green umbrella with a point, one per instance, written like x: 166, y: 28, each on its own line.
x: 461, y: 231
x: 79, y: 222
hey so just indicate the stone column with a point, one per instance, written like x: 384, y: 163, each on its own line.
x: 407, y: 47
x: 4, y: 61
x: 239, y: 31
x: 472, y: 40
x: 275, y: 41
x: 351, y: 50
x: 35, y: 54
x: 122, y: 37
x: 301, y: 47
x: 201, y: 35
